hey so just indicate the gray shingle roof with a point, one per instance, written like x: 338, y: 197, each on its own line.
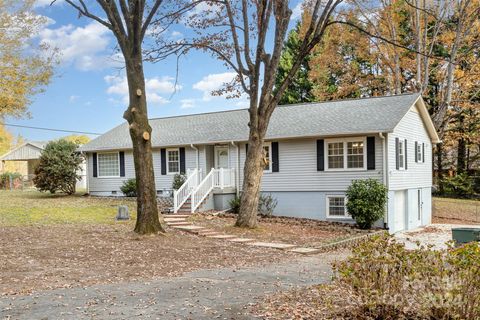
x: 369, y: 115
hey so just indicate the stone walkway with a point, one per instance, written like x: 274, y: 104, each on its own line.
x: 179, y: 221
x: 204, y: 294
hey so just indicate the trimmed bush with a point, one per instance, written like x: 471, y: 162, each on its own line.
x: 366, y: 201
x: 129, y: 188
x: 58, y: 167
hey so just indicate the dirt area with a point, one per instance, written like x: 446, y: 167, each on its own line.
x: 34, y: 258
x: 296, y: 231
x: 456, y: 211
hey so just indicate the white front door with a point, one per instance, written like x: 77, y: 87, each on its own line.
x: 399, y: 214
x: 221, y: 157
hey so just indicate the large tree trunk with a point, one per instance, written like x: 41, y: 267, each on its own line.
x: 140, y: 132
x: 254, y: 165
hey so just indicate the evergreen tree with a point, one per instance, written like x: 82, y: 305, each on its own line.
x: 300, y: 89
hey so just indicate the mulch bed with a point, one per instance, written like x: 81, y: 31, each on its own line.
x: 36, y: 258
x: 298, y: 231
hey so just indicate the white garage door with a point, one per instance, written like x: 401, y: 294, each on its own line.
x: 400, y: 209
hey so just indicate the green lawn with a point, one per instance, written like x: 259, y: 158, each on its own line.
x: 32, y: 207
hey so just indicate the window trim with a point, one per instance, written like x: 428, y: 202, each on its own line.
x: 269, y: 144
x: 327, y: 205
x: 345, y: 153
x: 167, y: 161
x: 98, y: 164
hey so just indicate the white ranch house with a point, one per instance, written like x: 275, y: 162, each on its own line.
x: 313, y: 152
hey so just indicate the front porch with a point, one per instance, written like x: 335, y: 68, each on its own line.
x: 203, y: 193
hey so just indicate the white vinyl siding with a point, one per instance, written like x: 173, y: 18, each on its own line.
x: 298, y: 169
x: 108, y: 164
x: 105, y: 185
x: 417, y: 175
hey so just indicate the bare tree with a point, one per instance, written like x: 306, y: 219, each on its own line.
x: 129, y: 22
x: 248, y: 36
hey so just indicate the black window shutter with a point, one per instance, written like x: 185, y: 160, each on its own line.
x: 397, y: 153
x: 163, y: 161
x: 94, y: 162
x: 182, y: 160
x: 370, y: 153
x: 320, y: 155
x: 416, y: 152
x: 423, y: 152
x: 275, y: 163
x: 246, y: 150
x: 406, y: 155
x: 121, y: 156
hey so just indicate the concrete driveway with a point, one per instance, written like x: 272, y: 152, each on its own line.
x: 204, y: 294
x: 436, y: 235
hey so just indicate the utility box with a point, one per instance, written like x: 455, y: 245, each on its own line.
x: 465, y: 235
x: 122, y: 213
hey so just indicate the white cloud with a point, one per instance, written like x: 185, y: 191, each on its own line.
x: 85, y: 47
x: 297, y: 11
x: 45, y: 3
x: 155, y: 88
x: 187, y: 103
x: 213, y: 82
x: 73, y: 98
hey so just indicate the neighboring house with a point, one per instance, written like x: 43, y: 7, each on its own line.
x: 313, y: 152
x: 30, y: 152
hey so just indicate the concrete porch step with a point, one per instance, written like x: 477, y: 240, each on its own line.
x: 176, y: 215
x: 173, y: 219
x: 178, y: 223
x: 221, y: 236
x: 274, y: 245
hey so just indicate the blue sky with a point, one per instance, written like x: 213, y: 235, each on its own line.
x: 88, y: 92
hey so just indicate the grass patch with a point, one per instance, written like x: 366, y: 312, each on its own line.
x: 32, y: 207
x: 448, y: 210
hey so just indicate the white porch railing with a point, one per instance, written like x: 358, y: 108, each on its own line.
x: 216, y: 178
x: 181, y: 195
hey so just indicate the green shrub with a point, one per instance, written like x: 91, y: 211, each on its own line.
x: 460, y: 185
x: 58, y: 167
x: 366, y: 201
x: 384, y: 280
x: 178, y: 180
x: 266, y: 205
x: 129, y: 188
x: 234, y: 204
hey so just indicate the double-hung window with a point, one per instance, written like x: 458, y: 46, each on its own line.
x: 108, y: 164
x: 346, y: 154
x: 336, y: 207
x: 173, y: 161
x: 267, y: 156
